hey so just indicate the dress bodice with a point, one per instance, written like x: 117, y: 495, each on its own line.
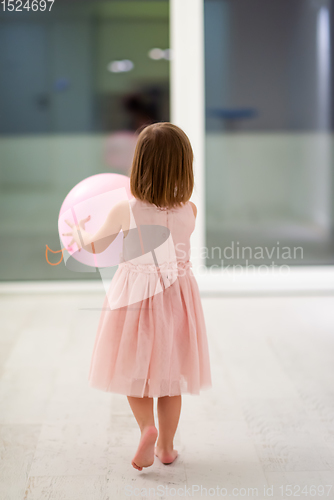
x: 158, y: 236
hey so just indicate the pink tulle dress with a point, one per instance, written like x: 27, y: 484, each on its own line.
x: 151, y: 338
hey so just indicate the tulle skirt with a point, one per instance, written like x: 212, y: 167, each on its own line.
x: 151, y: 343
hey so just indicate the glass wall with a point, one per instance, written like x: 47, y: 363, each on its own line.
x: 269, y: 132
x: 76, y: 83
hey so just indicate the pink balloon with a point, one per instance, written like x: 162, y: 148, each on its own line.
x: 94, y: 196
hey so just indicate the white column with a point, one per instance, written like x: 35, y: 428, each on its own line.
x: 187, y: 99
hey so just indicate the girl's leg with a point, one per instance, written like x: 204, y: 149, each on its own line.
x: 169, y: 409
x: 142, y: 409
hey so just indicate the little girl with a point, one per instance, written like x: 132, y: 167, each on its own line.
x: 151, y: 339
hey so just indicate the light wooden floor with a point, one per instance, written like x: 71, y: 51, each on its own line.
x: 268, y: 420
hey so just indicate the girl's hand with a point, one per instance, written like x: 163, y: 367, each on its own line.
x: 77, y: 228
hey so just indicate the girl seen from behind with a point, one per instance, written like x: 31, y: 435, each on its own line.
x: 151, y: 338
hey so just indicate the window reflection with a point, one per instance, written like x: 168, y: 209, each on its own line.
x: 269, y: 131
x: 64, y: 116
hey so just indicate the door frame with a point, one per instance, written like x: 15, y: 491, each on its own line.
x: 187, y: 100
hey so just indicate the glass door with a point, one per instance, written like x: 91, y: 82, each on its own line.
x: 268, y: 132
x: 76, y: 83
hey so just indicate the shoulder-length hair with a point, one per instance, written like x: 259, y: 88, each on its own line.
x: 162, y: 166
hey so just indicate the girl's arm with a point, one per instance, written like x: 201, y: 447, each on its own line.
x: 98, y: 242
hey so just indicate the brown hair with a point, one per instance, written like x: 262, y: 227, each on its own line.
x: 162, y: 166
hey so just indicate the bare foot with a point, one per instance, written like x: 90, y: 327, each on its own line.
x: 166, y: 457
x: 144, y: 456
